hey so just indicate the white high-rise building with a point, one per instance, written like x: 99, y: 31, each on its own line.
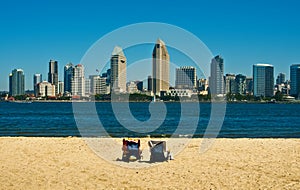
x: 61, y: 87
x: 160, y: 68
x: 78, y: 81
x: 118, y: 71
x: 37, y: 78
x: 98, y: 85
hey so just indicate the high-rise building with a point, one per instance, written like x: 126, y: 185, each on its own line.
x: 216, y: 82
x: 139, y: 85
x: 98, y: 85
x: 68, y: 74
x: 107, y: 75
x: 150, y: 83
x: 118, y: 70
x: 160, y: 68
x: 240, y: 81
x: 249, y: 85
x: 37, y: 78
x: 230, y: 84
x: 263, y: 80
x: 53, y: 74
x: 87, y: 86
x: 17, y: 82
x: 61, y: 86
x: 280, y: 78
x: 186, y: 78
x: 78, y: 81
x: 295, y: 80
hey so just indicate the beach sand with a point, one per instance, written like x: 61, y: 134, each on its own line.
x: 68, y: 163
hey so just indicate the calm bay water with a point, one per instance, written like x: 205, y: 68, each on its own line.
x: 241, y: 120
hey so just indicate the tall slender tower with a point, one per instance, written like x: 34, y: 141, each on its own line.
x: 118, y: 70
x: 53, y: 74
x: 78, y: 81
x: 160, y: 68
x: 295, y: 80
x: 216, y: 81
x: 68, y: 74
x: 37, y: 78
x: 17, y: 82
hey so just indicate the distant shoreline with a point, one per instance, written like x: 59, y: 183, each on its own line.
x: 105, y: 101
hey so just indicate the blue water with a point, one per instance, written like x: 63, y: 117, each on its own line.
x: 57, y: 120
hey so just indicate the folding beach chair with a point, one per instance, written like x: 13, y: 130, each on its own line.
x: 158, y: 150
x: 131, y: 150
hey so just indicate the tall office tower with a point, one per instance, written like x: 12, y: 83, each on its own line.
x: 17, y: 82
x: 78, y: 81
x: 240, y: 81
x: 186, y: 78
x: 68, y: 74
x: 249, y: 86
x: 53, y: 74
x: 216, y: 82
x: 118, y: 70
x: 160, y: 68
x: 280, y: 78
x: 107, y: 75
x: 61, y: 86
x: 87, y: 86
x: 150, y: 83
x: 295, y: 80
x: 263, y: 80
x: 230, y: 84
x: 37, y: 78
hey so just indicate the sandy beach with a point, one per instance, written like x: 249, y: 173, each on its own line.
x: 68, y: 163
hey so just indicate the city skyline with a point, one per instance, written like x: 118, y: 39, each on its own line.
x: 253, y: 32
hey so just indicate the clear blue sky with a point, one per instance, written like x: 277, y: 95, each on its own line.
x: 243, y: 32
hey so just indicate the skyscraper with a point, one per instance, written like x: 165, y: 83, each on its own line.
x: 78, y: 81
x: 216, y: 82
x: 249, y: 86
x: 37, y: 78
x: 53, y: 74
x: 61, y: 88
x: 68, y: 74
x: 160, y: 68
x: 98, y: 85
x: 295, y: 80
x: 186, y: 78
x: 263, y: 80
x: 240, y: 81
x: 230, y: 84
x: 280, y: 78
x: 118, y: 70
x: 17, y: 82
